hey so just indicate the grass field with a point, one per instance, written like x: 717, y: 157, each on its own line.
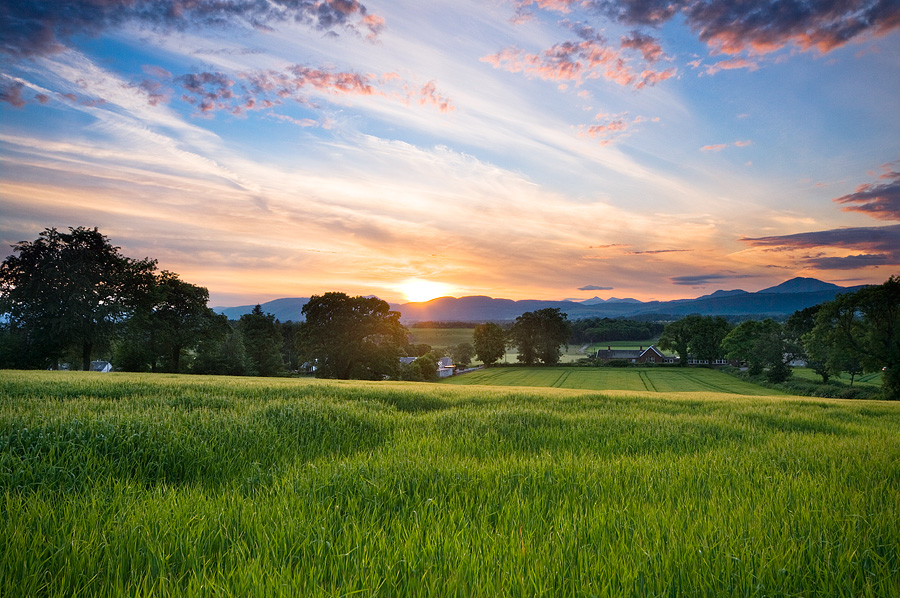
x: 870, y: 379
x: 119, y: 484
x: 450, y: 337
x: 441, y: 337
x: 649, y: 379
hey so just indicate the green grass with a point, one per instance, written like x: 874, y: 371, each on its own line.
x: 441, y: 337
x: 648, y: 379
x: 123, y: 484
x: 870, y: 379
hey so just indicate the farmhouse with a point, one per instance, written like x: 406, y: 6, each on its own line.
x: 649, y: 355
x: 445, y: 367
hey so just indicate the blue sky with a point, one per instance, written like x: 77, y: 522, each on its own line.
x: 521, y: 149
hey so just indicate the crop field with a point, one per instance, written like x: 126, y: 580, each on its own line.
x: 649, y: 379
x: 154, y: 485
x: 441, y: 337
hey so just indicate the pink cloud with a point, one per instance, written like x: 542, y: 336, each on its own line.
x: 878, y: 200
x: 731, y: 64
x: 577, y: 61
x: 714, y: 148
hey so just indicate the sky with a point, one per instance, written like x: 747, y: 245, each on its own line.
x: 524, y: 149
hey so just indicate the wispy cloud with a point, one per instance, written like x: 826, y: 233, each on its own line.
x: 733, y: 26
x: 878, y: 200
x: 590, y: 57
x: 880, y: 243
x: 593, y: 287
x: 702, y: 279
x: 35, y: 27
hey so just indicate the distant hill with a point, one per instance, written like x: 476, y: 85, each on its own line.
x: 803, y: 285
x: 783, y: 299
x: 284, y: 309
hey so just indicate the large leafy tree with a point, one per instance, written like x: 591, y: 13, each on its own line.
x: 539, y: 335
x: 69, y: 291
x: 861, y: 330
x: 763, y: 345
x: 180, y: 319
x: 797, y: 328
x: 490, y: 343
x: 697, y: 336
x: 677, y: 337
x: 352, y: 337
x: 262, y: 342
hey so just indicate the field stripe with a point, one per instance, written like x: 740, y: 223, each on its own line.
x: 560, y: 382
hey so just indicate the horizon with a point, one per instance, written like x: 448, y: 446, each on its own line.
x: 519, y: 149
x: 569, y: 299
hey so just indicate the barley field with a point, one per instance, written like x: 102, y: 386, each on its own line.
x: 152, y: 485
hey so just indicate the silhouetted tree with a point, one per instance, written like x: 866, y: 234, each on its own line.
x: 352, y: 337
x: 862, y: 328
x: 490, y: 343
x: 69, y: 290
x: 539, y: 335
x: 262, y: 342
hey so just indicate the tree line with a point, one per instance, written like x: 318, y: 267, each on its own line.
x: 855, y: 333
x: 71, y: 296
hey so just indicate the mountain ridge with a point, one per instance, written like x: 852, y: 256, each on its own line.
x: 783, y: 299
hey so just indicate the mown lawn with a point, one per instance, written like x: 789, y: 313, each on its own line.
x: 649, y: 379
x: 118, y: 484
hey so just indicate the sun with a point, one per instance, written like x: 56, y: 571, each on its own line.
x: 416, y: 290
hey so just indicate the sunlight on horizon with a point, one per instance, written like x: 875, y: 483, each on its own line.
x: 417, y: 290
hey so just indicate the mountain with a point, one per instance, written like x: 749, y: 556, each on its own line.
x: 803, y: 285
x: 287, y: 308
x: 593, y: 301
x: 780, y: 300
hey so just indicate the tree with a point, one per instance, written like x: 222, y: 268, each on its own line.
x: 423, y: 369
x: 262, y: 342
x: 462, y: 354
x: 697, y: 336
x: 352, y: 337
x: 490, y: 343
x: 222, y: 356
x: 762, y: 345
x: 706, y: 341
x: 861, y: 331
x: 540, y: 334
x: 677, y: 337
x: 797, y: 328
x: 69, y: 290
x: 180, y: 318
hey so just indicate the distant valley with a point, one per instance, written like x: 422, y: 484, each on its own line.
x: 781, y: 300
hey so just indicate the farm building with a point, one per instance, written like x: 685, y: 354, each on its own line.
x: 649, y: 355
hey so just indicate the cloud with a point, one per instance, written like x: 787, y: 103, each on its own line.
x: 614, y: 127
x: 718, y: 147
x: 881, y: 245
x: 731, y: 64
x: 593, y: 287
x: 757, y: 28
x: 881, y: 201
x: 701, y: 279
x: 11, y: 91
x: 39, y: 27
x: 262, y: 89
x: 591, y: 57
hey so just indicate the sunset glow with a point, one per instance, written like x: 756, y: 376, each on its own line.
x: 424, y: 290
x: 516, y: 149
